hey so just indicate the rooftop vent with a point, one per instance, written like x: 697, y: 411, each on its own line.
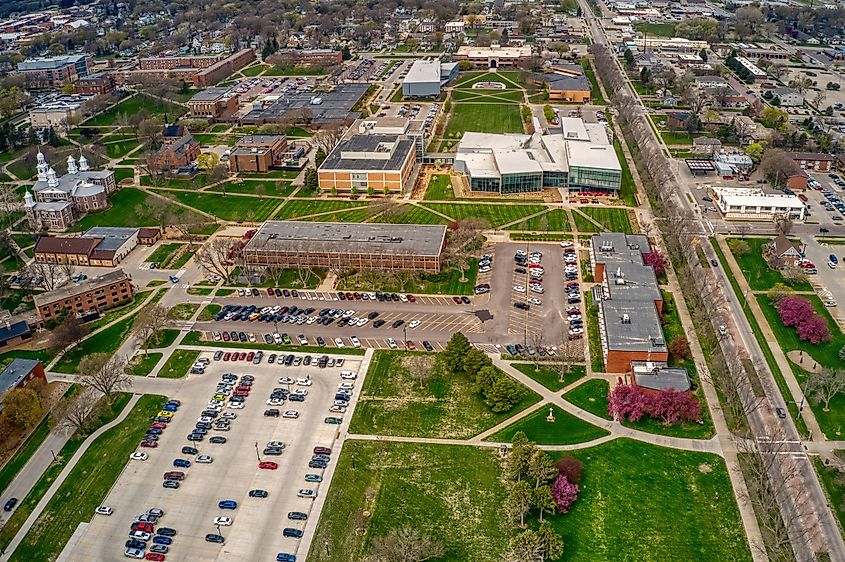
x: 626, y: 319
x: 606, y: 247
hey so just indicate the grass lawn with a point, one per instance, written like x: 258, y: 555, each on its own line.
x: 614, y: 219
x: 22, y: 169
x: 130, y: 207
x: 555, y: 220
x: 182, y: 311
x: 757, y: 272
x: 596, y: 355
x: 163, y: 252
x: 659, y: 29
x: 133, y: 105
x: 358, y: 214
x: 627, y: 490
x: 121, y: 148
x: 163, y: 338
x: 179, y: 262
x: 565, y: 430
x: 87, y: 485
x: 209, y: 312
x: 228, y: 207
x: 410, y: 214
x: 121, y: 174
x: 274, y: 174
x: 496, y: 215
x: 391, y: 403
x: 439, y: 188
x: 255, y: 70
x: 294, y: 71
x: 178, y: 364
x: 23, y: 454
x: 591, y: 395
x: 257, y: 187
x: 548, y: 377
x: 447, y: 282
x: 509, y: 79
x: 297, y: 208
x: 548, y: 237
x: 487, y: 96
x: 106, y: 341
x: 201, y: 291
x: 834, y: 484
x: 583, y: 224
x: 143, y: 364
x: 483, y: 118
x: 597, y: 98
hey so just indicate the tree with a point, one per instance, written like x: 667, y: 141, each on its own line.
x: 516, y: 465
x: 474, y: 360
x: 552, y: 542
x: 774, y: 118
x: 679, y: 348
x: 217, y: 256
x: 405, y: 544
x: 69, y: 332
x: 570, y: 467
x: 320, y: 156
x: 841, y: 353
x: 544, y: 500
x: 455, y: 352
x: 148, y: 323
x: 629, y: 58
x: 150, y: 131
x: 75, y: 414
x: 525, y: 547
x: 541, y: 468
x: 104, y: 373
x: 741, y: 248
x: 419, y: 367
x: 311, y: 181
x: 23, y: 407
x: 814, y: 330
x: 657, y: 261
x: 795, y: 310
x: 564, y: 492
x: 825, y: 384
x: 485, y: 378
x: 519, y: 500
x: 755, y: 151
x: 504, y: 394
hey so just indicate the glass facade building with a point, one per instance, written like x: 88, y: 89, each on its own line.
x: 522, y: 183
x: 594, y: 178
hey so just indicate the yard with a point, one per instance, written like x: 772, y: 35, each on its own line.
x: 130, y: 207
x: 297, y: 208
x: 439, y: 188
x: 613, y: 219
x: 106, y: 341
x: 555, y: 220
x: 87, y: 485
x: 591, y: 395
x: 658, y: 29
x: 446, y: 282
x: 132, y: 106
x: 256, y: 187
x: 226, y: 207
x: 182, y: 311
x: 566, y: 429
x: 757, y: 272
x: 548, y: 376
x: 483, y: 118
x: 142, y: 364
x: 392, y: 403
x: 163, y: 252
x: 583, y: 224
x: 497, y: 215
x: 208, y: 313
x: 23, y: 454
x: 178, y: 364
x: 410, y: 214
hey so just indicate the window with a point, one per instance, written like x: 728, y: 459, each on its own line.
x: 489, y: 185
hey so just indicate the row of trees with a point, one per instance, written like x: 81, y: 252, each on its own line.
x: 670, y: 406
x: 799, y: 313
x: 501, y: 393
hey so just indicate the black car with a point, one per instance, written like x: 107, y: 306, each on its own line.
x: 372, y: 315
x: 10, y: 505
x: 522, y: 305
x: 277, y: 292
x: 296, y: 398
x: 824, y: 230
x: 397, y: 323
x: 272, y: 451
x: 341, y: 296
x: 258, y: 493
x: 520, y: 270
x: 189, y: 451
x: 427, y: 345
x: 317, y: 464
x: 255, y: 292
x: 465, y: 300
x: 166, y: 532
x: 297, y: 516
x: 321, y: 341
x: 214, y: 537
x: 135, y: 543
x: 272, y: 413
x: 268, y: 338
x: 286, y: 293
x: 291, y: 532
x: 217, y: 439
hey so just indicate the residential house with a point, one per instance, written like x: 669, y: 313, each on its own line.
x: 789, y: 97
x: 782, y: 251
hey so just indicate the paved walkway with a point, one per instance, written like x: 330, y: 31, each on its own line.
x: 33, y: 517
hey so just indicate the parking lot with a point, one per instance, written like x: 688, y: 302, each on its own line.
x: 257, y: 524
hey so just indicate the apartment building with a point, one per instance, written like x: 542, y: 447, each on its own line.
x: 95, y: 294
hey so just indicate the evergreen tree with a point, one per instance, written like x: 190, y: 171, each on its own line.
x: 455, y: 351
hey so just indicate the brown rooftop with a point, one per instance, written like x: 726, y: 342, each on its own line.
x: 60, y: 245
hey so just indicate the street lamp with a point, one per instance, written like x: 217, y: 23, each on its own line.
x: 256, y: 452
x: 405, y: 336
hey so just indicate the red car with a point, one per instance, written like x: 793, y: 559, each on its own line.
x: 142, y: 526
x: 155, y: 556
x: 226, y: 336
x: 412, y: 298
x: 268, y: 465
x: 357, y: 296
x: 457, y: 300
x: 582, y: 200
x: 158, y: 425
x: 149, y: 444
x: 250, y: 356
x: 270, y: 292
x: 322, y: 451
x: 174, y: 475
x: 226, y: 356
x: 243, y: 393
x: 349, y: 296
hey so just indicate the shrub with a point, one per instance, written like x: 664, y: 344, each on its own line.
x: 564, y: 492
x: 570, y: 467
x: 679, y: 348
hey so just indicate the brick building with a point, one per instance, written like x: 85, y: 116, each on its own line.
x: 257, y: 153
x: 493, y: 56
x: 313, y: 57
x: 176, y: 154
x: 360, y: 162
x: 814, y: 161
x: 97, y: 294
x: 387, y: 247
x: 100, y: 246
x: 54, y: 72
x: 201, y: 71
x: 98, y: 84
x: 213, y: 103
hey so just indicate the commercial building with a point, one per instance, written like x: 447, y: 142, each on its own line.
x: 346, y: 246
x: 578, y: 158
x: 20, y: 373
x: 97, y: 84
x: 426, y: 77
x: 321, y: 108
x: 815, y: 161
x: 56, y: 112
x: 61, y: 201
x: 258, y: 153
x: 710, y: 81
x: 494, y: 56
x: 754, y: 203
x: 757, y: 73
x: 789, y: 97
x: 567, y: 86
x: 54, y: 72
x: 94, y: 294
x: 213, y: 103
x: 772, y: 53
x: 629, y: 301
x: 360, y: 162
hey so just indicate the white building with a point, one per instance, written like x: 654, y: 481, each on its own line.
x: 670, y: 44
x: 425, y: 78
x: 55, y: 112
x: 754, y: 203
x: 756, y: 72
x: 789, y: 97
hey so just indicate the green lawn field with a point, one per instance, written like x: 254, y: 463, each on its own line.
x: 555, y: 220
x: 547, y: 376
x: 566, y: 429
x: 133, y: 105
x: 229, y: 207
x: 178, y: 364
x: 483, y: 118
x: 496, y: 215
x: 129, y: 207
x: 757, y: 272
x: 613, y: 219
x: 296, y: 208
x: 439, y: 188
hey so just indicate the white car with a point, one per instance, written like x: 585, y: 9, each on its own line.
x: 355, y: 341
x: 303, y: 340
x: 311, y: 320
x: 141, y: 535
x: 536, y: 301
x: 229, y: 415
x: 252, y: 338
x: 104, y: 510
x: 304, y: 382
x: 575, y: 331
x: 348, y: 313
x: 286, y: 380
x: 301, y: 392
x: 346, y: 386
x: 392, y: 343
x: 223, y: 521
x: 574, y: 317
x: 403, y: 298
x: 204, y: 459
x: 335, y: 409
x: 277, y: 339
x: 139, y: 456
x: 362, y: 321
x: 519, y: 288
x: 537, y: 289
x: 566, y: 244
x: 339, y: 343
x: 236, y: 405
x: 349, y: 375
x: 275, y: 402
x: 414, y: 323
x: 279, y: 444
x: 306, y: 493
x: 290, y: 414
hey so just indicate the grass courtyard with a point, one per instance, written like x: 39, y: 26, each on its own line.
x: 227, y: 207
x: 637, y: 502
x: 566, y: 429
x: 130, y: 207
x: 483, y: 118
x: 133, y: 105
x: 392, y: 403
x: 495, y: 214
x: 757, y: 272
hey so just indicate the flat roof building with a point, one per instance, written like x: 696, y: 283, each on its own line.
x: 392, y: 247
x: 97, y: 293
x: 20, y: 373
x: 494, y: 56
x: 754, y: 203
x: 426, y: 77
x: 213, y: 103
x: 258, y: 153
x: 54, y: 72
x: 361, y: 162
x: 323, y: 107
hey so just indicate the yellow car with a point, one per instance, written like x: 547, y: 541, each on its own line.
x: 219, y: 398
x: 165, y: 413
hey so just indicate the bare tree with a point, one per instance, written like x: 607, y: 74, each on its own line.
x: 148, y: 323
x: 405, y: 544
x: 420, y: 367
x: 75, y: 414
x: 69, y: 332
x: 303, y: 275
x: 48, y: 276
x: 329, y: 137
x: 825, y: 384
x: 104, y: 373
x: 217, y: 256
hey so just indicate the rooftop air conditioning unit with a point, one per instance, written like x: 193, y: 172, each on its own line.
x: 626, y: 319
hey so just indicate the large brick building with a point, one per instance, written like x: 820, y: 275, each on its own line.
x: 100, y: 246
x: 388, y: 247
x: 383, y: 162
x: 493, y: 56
x: 258, y: 153
x: 98, y: 84
x: 629, y: 300
x: 201, y: 71
x: 313, y: 57
x: 97, y: 294
x: 213, y: 103
x: 54, y: 72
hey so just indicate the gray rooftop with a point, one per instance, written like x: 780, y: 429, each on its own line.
x: 632, y: 282
x: 615, y: 247
x: 335, y: 105
x: 15, y: 372
x: 49, y: 63
x: 564, y: 82
x: 333, y: 237
x: 81, y: 287
x: 362, y: 145
x: 113, y: 236
x: 659, y: 376
x: 210, y: 94
x: 632, y: 326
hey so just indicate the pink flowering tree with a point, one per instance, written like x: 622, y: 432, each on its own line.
x: 564, y: 492
x: 626, y: 402
x: 656, y: 260
x: 793, y: 311
x: 630, y: 402
x: 673, y: 406
x: 814, y: 330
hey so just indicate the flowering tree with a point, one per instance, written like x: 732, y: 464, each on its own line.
x: 626, y: 402
x: 570, y: 467
x: 670, y: 406
x: 814, y: 330
x: 794, y: 310
x: 565, y: 493
x: 656, y: 260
